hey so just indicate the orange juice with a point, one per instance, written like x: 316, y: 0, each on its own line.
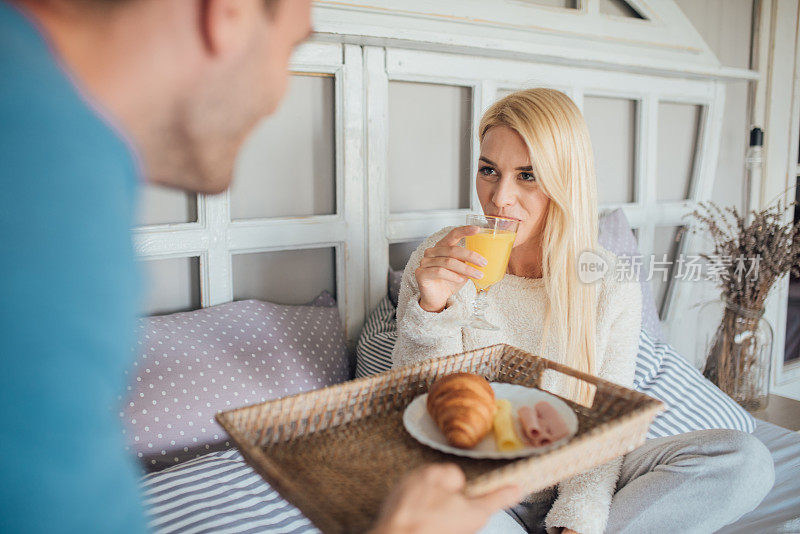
x: 495, y: 246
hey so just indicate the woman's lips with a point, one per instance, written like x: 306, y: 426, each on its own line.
x: 508, y: 217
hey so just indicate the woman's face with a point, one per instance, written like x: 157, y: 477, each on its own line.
x: 506, y: 184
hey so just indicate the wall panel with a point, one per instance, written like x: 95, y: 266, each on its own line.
x: 171, y: 285
x: 678, y: 135
x: 284, y: 277
x: 612, y: 127
x: 286, y: 168
x: 430, y: 135
x: 162, y: 205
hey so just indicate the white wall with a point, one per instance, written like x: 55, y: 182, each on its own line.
x: 726, y: 27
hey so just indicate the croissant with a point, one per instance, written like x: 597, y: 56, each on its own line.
x: 463, y: 407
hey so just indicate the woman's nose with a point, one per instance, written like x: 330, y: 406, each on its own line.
x: 504, y: 194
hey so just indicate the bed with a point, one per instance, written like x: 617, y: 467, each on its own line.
x: 219, y: 492
x: 198, y: 483
x: 192, y: 364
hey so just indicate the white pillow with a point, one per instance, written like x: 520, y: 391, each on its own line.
x: 615, y: 234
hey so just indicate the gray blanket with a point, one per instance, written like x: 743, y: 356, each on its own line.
x: 780, y: 509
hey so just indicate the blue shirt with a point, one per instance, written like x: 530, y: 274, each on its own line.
x: 68, y: 298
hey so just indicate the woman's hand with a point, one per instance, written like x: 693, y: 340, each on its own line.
x: 430, y: 501
x: 568, y: 531
x: 443, y: 270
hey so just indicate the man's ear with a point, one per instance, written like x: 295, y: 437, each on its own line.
x: 225, y: 25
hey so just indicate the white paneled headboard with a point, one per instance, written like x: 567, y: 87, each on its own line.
x: 219, y: 237
x: 375, y: 147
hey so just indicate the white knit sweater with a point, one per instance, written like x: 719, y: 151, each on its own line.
x: 517, y: 306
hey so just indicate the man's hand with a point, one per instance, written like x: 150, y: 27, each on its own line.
x: 430, y: 500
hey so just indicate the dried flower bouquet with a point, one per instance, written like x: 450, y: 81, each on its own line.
x: 750, y: 255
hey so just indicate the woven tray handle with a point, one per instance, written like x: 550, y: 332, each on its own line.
x: 600, y: 386
x: 516, y: 367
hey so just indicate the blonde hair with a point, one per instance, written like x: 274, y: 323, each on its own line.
x: 557, y: 138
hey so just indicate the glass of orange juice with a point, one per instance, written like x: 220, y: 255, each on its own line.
x: 493, y: 242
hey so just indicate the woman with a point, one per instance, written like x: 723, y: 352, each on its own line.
x: 536, y: 166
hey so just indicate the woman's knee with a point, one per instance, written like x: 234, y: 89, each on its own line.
x: 752, y: 470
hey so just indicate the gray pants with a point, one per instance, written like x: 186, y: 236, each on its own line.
x: 694, y: 482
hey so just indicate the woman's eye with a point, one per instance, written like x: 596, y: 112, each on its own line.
x: 487, y: 171
x: 527, y: 177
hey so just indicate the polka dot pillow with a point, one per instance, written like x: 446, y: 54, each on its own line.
x: 192, y: 365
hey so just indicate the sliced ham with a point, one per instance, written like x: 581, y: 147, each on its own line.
x: 529, y: 422
x: 541, y: 425
x: 549, y: 419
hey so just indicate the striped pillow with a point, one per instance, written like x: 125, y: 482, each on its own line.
x: 693, y: 402
x: 374, y: 349
x: 217, y: 492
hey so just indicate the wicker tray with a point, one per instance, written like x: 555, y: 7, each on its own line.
x: 335, y: 453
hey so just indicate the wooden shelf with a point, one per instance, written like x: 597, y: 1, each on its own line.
x: 782, y: 412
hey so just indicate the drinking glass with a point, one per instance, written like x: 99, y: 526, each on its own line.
x: 493, y: 242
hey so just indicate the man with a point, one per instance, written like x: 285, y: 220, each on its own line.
x: 95, y: 94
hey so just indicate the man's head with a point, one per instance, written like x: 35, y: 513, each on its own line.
x: 241, y: 76
x: 188, y: 79
x: 246, y: 46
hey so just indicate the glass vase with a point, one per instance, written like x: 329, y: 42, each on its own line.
x: 739, y: 353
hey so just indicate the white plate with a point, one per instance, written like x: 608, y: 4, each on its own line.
x: 422, y: 427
